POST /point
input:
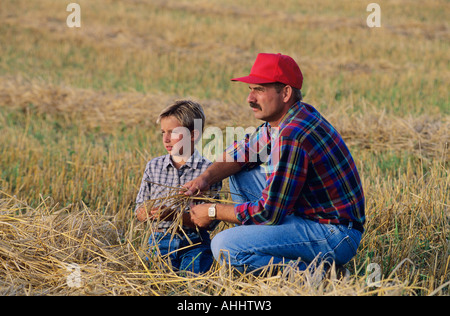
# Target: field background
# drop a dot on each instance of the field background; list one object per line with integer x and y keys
{"x": 77, "y": 125}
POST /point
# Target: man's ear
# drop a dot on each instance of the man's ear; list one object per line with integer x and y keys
{"x": 287, "y": 93}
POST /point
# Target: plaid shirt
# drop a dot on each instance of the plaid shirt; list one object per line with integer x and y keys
{"x": 161, "y": 170}
{"x": 311, "y": 172}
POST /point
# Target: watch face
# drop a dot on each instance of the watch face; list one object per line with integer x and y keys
{"x": 212, "y": 211}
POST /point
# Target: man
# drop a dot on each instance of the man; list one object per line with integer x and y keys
{"x": 309, "y": 205}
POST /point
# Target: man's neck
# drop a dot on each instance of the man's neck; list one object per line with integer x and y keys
{"x": 282, "y": 117}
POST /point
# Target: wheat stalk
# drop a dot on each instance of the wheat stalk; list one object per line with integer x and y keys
{"x": 179, "y": 204}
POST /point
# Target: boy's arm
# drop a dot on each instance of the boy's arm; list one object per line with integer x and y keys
{"x": 143, "y": 214}
{"x": 142, "y": 196}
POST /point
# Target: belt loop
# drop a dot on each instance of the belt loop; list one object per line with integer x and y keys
{"x": 350, "y": 225}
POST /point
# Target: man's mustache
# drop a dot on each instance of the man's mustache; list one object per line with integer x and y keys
{"x": 255, "y": 105}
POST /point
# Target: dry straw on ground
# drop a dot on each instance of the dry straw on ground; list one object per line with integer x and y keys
{"x": 41, "y": 246}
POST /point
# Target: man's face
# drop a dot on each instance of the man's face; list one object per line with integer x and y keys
{"x": 266, "y": 103}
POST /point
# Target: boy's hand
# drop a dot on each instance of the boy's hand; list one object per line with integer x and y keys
{"x": 143, "y": 214}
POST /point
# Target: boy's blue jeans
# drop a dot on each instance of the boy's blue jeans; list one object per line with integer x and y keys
{"x": 252, "y": 247}
{"x": 183, "y": 257}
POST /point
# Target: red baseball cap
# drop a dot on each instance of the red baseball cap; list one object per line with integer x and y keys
{"x": 269, "y": 68}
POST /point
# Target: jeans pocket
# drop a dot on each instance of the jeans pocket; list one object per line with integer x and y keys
{"x": 345, "y": 250}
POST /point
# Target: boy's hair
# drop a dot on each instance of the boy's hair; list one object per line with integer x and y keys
{"x": 185, "y": 111}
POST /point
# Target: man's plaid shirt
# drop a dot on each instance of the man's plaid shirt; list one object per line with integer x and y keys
{"x": 314, "y": 175}
{"x": 161, "y": 170}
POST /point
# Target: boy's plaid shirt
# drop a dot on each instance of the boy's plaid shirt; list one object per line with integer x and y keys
{"x": 312, "y": 173}
{"x": 162, "y": 171}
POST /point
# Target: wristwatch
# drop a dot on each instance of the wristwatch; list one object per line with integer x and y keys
{"x": 212, "y": 211}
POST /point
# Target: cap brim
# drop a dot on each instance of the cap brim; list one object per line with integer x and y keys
{"x": 253, "y": 80}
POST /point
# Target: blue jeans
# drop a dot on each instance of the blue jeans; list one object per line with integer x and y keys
{"x": 183, "y": 257}
{"x": 252, "y": 247}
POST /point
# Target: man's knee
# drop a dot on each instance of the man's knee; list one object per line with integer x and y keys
{"x": 219, "y": 246}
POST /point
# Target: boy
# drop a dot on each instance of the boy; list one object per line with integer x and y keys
{"x": 182, "y": 164}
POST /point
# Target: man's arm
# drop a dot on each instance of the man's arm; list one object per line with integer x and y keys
{"x": 215, "y": 173}
{"x": 284, "y": 186}
{"x": 278, "y": 198}
{"x": 199, "y": 214}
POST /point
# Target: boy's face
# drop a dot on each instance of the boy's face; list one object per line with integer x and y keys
{"x": 177, "y": 139}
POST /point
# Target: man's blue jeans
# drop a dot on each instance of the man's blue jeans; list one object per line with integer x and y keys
{"x": 252, "y": 247}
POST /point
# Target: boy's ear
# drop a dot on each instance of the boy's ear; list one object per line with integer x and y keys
{"x": 195, "y": 135}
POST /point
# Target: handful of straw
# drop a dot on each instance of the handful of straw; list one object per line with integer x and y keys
{"x": 174, "y": 205}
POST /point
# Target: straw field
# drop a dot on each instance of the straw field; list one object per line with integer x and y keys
{"x": 77, "y": 124}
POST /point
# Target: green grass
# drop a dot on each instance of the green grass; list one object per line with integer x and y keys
{"x": 44, "y": 155}
{"x": 382, "y": 67}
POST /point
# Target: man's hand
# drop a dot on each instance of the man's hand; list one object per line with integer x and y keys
{"x": 215, "y": 173}
{"x": 199, "y": 215}
{"x": 196, "y": 186}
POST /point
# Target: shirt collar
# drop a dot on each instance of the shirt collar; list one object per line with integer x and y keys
{"x": 192, "y": 162}
{"x": 290, "y": 114}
